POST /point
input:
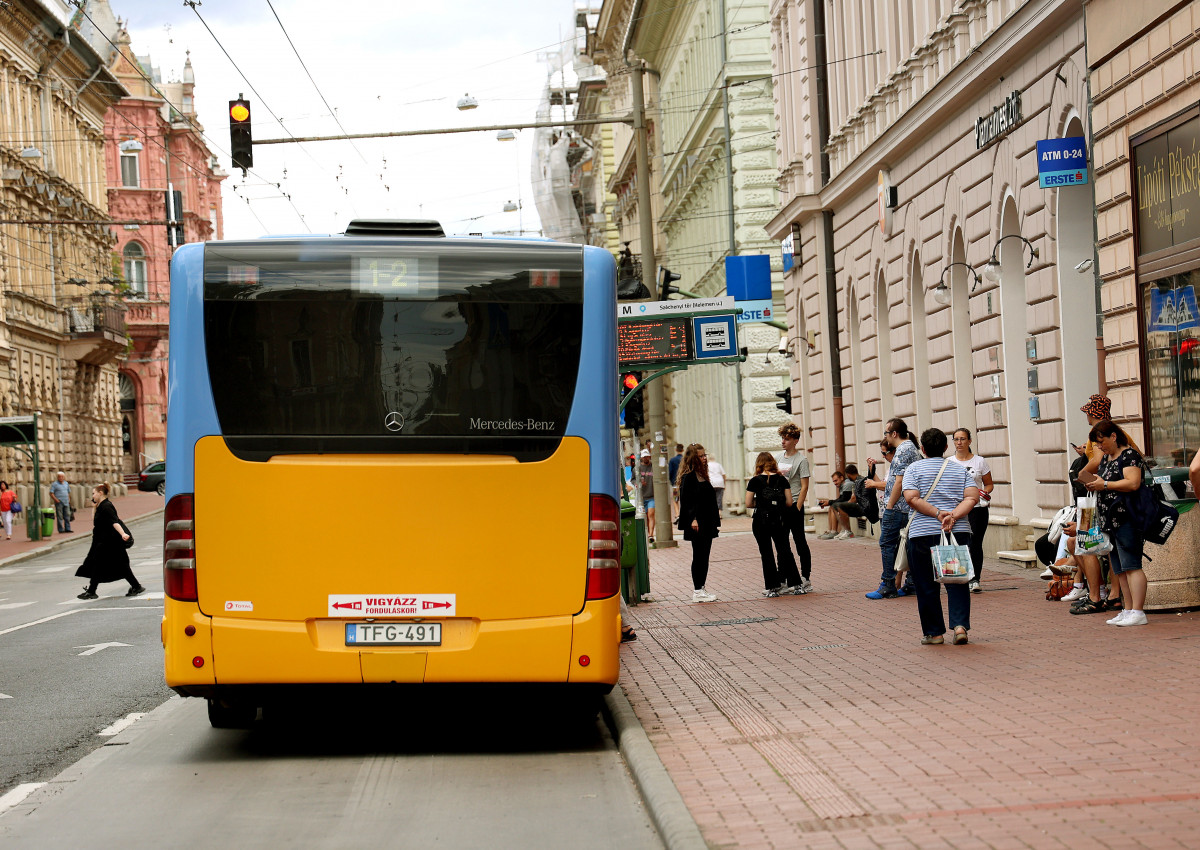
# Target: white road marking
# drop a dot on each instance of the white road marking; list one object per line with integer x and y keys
{"x": 15, "y": 605}
{"x": 8, "y": 571}
{"x": 38, "y": 622}
{"x": 54, "y": 569}
{"x": 93, "y": 648}
{"x": 121, "y": 725}
{"x": 16, "y": 795}
{"x": 5, "y": 696}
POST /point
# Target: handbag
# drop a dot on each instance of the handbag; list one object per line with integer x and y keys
{"x": 902, "y": 555}
{"x": 951, "y": 562}
{"x": 1093, "y": 541}
{"x": 15, "y": 507}
{"x": 128, "y": 543}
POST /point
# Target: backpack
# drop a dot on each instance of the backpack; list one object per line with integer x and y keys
{"x": 771, "y": 502}
{"x": 866, "y": 498}
{"x": 1153, "y": 518}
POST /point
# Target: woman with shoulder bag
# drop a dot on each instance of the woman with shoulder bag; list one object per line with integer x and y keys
{"x": 698, "y": 516}
{"x": 107, "y": 560}
{"x": 1119, "y": 471}
{"x": 7, "y": 497}
{"x": 941, "y": 494}
{"x": 771, "y": 497}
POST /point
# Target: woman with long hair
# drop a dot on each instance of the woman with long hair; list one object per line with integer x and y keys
{"x": 1119, "y": 470}
{"x": 698, "y": 516}
{"x": 981, "y": 471}
{"x": 793, "y": 465}
{"x": 107, "y": 560}
{"x": 768, "y": 493}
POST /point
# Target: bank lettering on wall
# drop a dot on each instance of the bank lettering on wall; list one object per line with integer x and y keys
{"x": 1168, "y": 188}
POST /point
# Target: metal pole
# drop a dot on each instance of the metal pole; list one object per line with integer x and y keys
{"x": 656, "y": 419}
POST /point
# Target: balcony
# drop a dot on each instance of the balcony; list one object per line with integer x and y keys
{"x": 95, "y": 331}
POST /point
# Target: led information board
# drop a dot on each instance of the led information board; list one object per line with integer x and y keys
{"x": 666, "y": 340}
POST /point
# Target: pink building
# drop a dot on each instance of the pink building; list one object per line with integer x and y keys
{"x": 158, "y": 169}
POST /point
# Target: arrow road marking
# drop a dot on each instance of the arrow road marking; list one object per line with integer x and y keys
{"x": 5, "y": 696}
{"x": 93, "y": 648}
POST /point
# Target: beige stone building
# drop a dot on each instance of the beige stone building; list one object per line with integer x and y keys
{"x": 709, "y": 106}
{"x": 1145, "y": 62}
{"x": 908, "y": 161}
{"x": 62, "y": 332}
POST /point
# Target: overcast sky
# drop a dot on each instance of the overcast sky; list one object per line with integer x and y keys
{"x": 382, "y": 66}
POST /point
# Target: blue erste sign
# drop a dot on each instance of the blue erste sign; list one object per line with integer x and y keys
{"x": 1062, "y": 162}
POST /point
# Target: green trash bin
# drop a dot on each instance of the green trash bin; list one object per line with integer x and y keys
{"x": 629, "y": 551}
{"x": 33, "y": 524}
{"x": 47, "y": 521}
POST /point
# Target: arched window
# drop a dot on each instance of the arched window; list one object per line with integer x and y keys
{"x": 135, "y": 269}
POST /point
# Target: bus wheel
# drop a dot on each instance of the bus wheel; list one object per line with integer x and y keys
{"x": 231, "y": 715}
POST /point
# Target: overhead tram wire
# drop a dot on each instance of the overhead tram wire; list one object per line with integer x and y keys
{"x": 212, "y": 143}
{"x": 332, "y": 111}
{"x": 192, "y": 4}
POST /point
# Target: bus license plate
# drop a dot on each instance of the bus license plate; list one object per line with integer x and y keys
{"x": 393, "y": 634}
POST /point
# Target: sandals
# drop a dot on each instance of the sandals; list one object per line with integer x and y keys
{"x": 1087, "y": 606}
{"x": 927, "y": 640}
{"x": 960, "y": 635}
{"x": 628, "y": 634}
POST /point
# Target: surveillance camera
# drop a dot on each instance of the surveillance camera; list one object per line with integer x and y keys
{"x": 1083, "y": 265}
{"x": 783, "y": 344}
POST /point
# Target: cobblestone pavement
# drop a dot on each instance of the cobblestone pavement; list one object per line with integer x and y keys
{"x": 819, "y": 721}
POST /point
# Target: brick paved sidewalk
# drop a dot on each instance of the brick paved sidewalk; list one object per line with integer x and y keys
{"x": 819, "y": 721}
{"x": 134, "y": 505}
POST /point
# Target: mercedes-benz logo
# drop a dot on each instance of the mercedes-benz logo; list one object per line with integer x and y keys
{"x": 393, "y": 421}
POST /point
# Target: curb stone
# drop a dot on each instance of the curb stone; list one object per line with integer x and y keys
{"x": 675, "y": 824}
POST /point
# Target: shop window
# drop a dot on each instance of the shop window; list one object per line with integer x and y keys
{"x": 1172, "y": 349}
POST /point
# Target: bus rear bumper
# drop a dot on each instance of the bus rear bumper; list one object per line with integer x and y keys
{"x": 236, "y": 651}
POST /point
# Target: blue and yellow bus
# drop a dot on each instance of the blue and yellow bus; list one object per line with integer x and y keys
{"x": 391, "y": 458}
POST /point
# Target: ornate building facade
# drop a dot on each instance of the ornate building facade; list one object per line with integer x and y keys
{"x": 159, "y": 169}
{"x": 62, "y": 333}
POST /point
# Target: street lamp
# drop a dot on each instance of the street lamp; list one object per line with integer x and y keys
{"x": 941, "y": 292}
{"x": 509, "y": 206}
{"x": 992, "y": 270}
{"x": 467, "y": 102}
{"x": 30, "y": 153}
{"x": 505, "y": 136}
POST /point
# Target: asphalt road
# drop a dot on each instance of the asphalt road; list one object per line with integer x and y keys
{"x": 95, "y": 751}
{"x": 69, "y": 669}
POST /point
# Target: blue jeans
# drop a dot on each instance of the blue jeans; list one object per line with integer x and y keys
{"x": 889, "y": 542}
{"x": 929, "y": 592}
{"x": 62, "y": 513}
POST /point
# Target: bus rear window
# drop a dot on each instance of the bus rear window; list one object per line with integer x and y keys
{"x": 392, "y": 345}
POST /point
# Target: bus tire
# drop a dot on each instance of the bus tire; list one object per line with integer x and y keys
{"x": 223, "y": 714}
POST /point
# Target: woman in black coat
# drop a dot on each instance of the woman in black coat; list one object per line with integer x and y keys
{"x": 698, "y": 516}
{"x": 107, "y": 560}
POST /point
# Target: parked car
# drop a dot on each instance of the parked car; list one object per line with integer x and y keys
{"x": 154, "y": 477}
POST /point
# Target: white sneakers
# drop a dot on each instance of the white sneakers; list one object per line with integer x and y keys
{"x": 1129, "y": 618}
{"x": 805, "y": 586}
{"x": 828, "y": 535}
{"x": 702, "y": 595}
{"x": 1079, "y": 592}
{"x": 845, "y": 535}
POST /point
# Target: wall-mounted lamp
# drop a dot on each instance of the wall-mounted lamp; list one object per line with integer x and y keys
{"x": 130, "y": 145}
{"x": 796, "y": 345}
{"x": 992, "y": 270}
{"x": 941, "y": 292}
{"x": 1084, "y": 265}
{"x": 30, "y": 153}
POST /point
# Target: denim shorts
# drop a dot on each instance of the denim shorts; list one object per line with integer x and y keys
{"x": 649, "y": 504}
{"x": 1126, "y": 554}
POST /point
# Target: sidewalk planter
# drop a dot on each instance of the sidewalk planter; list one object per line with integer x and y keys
{"x": 1173, "y": 573}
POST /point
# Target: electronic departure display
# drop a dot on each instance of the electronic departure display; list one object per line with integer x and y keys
{"x": 665, "y": 340}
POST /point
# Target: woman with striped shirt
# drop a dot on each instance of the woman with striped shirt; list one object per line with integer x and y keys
{"x": 938, "y": 504}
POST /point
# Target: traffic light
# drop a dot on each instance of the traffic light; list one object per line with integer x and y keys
{"x": 786, "y": 404}
{"x": 665, "y": 278}
{"x": 240, "y": 142}
{"x": 634, "y": 411}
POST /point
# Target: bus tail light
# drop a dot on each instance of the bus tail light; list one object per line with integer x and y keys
{"x": 604, "y": 548}
{"x": 179, "y": 549}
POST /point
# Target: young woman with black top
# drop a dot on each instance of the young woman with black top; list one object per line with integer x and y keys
{"x": 770, "y": 526}
{"x": 698, "y": 516}
{"x": 1119, "y": 471}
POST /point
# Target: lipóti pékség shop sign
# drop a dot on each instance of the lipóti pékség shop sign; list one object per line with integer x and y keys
{"x": 1168, "y": 188}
